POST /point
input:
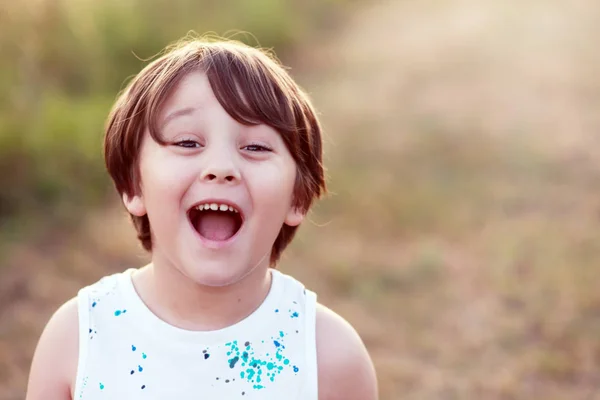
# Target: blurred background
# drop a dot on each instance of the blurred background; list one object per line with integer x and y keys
{"x": 462, "y": 137}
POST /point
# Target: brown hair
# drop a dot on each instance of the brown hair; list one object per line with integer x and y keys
{"x": 250, "y": 84}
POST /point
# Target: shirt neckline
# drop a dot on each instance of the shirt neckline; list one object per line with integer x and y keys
{"x": 153, "y": 325}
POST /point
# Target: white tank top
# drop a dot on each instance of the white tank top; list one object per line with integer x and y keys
{"x": 127, "y": 352}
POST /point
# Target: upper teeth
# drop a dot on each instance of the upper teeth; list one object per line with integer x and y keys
{"x": 216, "y": 207}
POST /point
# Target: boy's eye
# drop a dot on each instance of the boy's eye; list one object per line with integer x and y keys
{"x": 188, "y": 144}
{"x": 256, "y": 148}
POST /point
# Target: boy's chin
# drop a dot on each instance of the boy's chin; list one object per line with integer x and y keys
{"x": 216, "y": 274}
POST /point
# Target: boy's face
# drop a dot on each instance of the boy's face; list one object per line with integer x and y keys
{"x": 211, "y": 159}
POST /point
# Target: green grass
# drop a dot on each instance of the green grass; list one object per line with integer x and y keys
{"x": 65, "y": 61}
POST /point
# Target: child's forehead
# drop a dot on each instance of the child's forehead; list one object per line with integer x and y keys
{"x": 194, "y": 97}
{"x": 242, "y": 86}
{"x": 192, "y": 93}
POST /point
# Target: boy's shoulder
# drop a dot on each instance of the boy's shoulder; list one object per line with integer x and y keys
{"x": 345, "y": 369}
{"x": 54, "y": 363}
{"x": 55, "y": 360}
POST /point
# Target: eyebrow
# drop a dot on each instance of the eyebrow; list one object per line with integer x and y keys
{"x": 176, "y": 114}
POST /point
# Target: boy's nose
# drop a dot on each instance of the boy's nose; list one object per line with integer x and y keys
{"x": 220, "y": 168}
{"x": 224, "y": 177}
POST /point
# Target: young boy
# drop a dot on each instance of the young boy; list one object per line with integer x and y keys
{"x": 217, "y": 155}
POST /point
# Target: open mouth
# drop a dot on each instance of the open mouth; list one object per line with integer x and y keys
{"x": 215, "y": 221}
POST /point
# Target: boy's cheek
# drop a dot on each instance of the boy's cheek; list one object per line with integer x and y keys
{"x": 164, "y": 179}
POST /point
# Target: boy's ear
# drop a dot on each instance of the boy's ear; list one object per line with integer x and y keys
{"x": 294, "y": 216}
{"x": 134, "y": 204}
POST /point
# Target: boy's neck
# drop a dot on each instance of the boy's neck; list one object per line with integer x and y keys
{"x": 177, "y": 300}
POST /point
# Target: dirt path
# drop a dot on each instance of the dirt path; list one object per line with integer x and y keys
{"x": 462, "y": 149}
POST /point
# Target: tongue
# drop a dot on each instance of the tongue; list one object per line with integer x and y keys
{"x": 216, "y": 225}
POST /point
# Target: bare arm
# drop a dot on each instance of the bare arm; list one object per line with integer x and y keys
{"x": 344, "y": 366}
{"x": 54, "y": 363}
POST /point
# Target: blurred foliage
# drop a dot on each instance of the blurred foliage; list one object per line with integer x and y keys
{"x": 64, "y": 62}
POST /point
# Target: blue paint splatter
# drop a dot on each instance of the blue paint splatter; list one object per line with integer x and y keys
{"x": 296, "y": 369}
{"x": 258, "y": 386}
{"x": 90, "y": 330}
{"x": 144, "y": 356}
{"x": 131, "y": 373}
{"x": 295, "y": 315}
{"x": 143, "y": 386}
{"x": 117, "y": 313}
{"x": 140, "y": 368}
{"x": 133, "y": 348}
{"x": 101, "y": 386}
{"x": 206, "y": 356}
{"x": 257, "y": 371}
{"x": 276, "y": 310}
{"x": 85, "y": 380}
{"x": 94, "y": 304}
